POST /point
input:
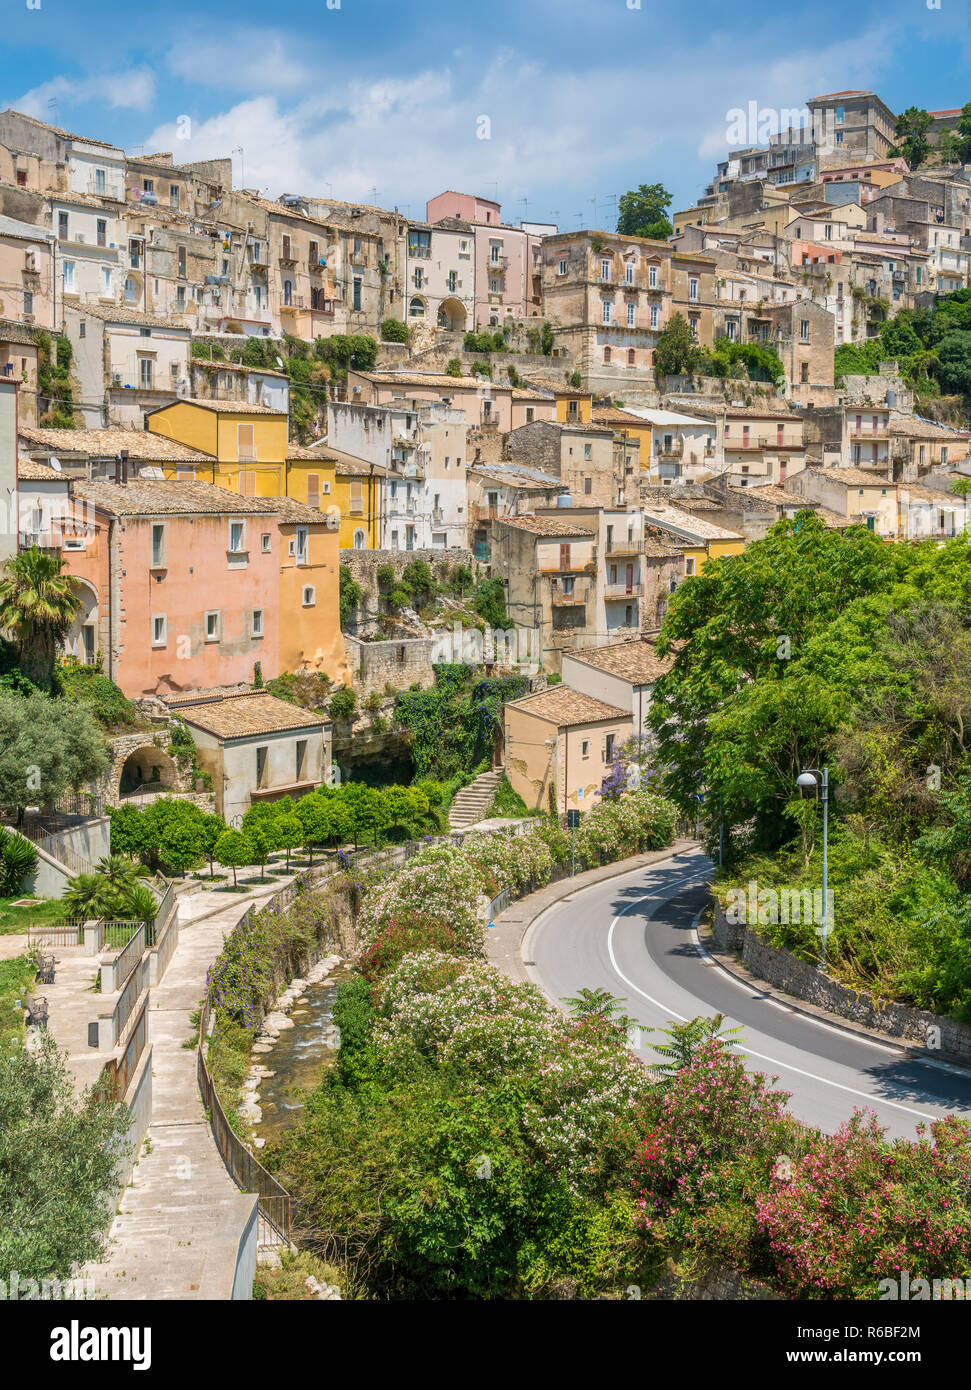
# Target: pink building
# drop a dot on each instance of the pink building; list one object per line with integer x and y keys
{"x": 468, "y": 206}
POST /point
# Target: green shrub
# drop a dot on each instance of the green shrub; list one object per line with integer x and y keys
{"x": 394, "y": 331}
{"x": 343, "y": 703}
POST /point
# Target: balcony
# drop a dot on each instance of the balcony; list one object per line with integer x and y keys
{"x": 561, "y": 600}
{"x": 109, "y": 188}
{"x": 670, "y": 453}
{"x": 490, "y": 514}
{"x": 499, "y": 264}
{"x": 861, "y": 436}
{"x": 419, "y": 253}
{"x": 292, "y": 305}
{"x": 623, "y": 549}
{"x": 489, "y": 426}
{"x": 620, "y": 591}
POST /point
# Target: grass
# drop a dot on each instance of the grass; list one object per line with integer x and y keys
{"x": 16, "y": 980}
{"x": 289, "y": 1281}
{"x": 18, "y": 919}
{"x": 507, "y": 802}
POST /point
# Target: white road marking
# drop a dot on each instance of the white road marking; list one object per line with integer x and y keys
{"x": 798, "y": 1071}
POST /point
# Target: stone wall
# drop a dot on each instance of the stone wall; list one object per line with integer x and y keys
{"x": 364, "y": 565}
{"x": 802, "y": 980}
{"x": 374, "y": 665}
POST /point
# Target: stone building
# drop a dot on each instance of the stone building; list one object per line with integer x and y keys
{"x": 548, "y": 565}
{"x": 559, "y": 746}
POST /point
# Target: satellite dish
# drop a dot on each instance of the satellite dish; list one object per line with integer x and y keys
{"x": 55, "y": 464}
{"x": 279, "y": 361}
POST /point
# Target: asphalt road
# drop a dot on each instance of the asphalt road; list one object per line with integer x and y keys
{"x": 634, "y": 936}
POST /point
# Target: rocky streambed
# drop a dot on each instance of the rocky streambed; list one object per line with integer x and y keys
{"x": 297, "y": 1040}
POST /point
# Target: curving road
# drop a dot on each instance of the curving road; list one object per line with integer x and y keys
{"x": 634, "y": 935}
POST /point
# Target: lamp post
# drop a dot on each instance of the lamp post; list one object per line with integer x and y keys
{"x": 818, "y": 781}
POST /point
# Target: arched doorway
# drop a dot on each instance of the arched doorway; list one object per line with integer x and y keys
{"x": 452, "y": 315}
{"x": 82, "y": 640}
{"x": 146, "y": 769}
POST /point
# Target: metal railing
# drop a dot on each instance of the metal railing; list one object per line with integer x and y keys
{"x": 143, "y": 789}
{"x": 130, "y": 954}
{"x": 67, "y": 933}
{"x": 122, "y": 1012}
{"x": 274, "y": 1203}
{"x": 51, "y": 844}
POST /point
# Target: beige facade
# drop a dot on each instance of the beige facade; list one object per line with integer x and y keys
{"x": 559, "y": 747}
{"x": 859, "y": 496}
{"x": 548, "y": 565}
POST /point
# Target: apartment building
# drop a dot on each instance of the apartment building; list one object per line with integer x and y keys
{"x": 126, "y": 363}
{"x": 26, "y": 274}
{"x": 441, "y": 270}
{"x": 498, "y": 490}
{"x": 848, "y": 434}
{"x": 214, "y": 380}
{"x": 559, "y": 745}
{"x": 487, "y": 405}
{"x": 674, "y": 447}
{"x": 863, "y": 497}
{"x": 621, "y": 674}
{"x": 700, "y": 539}
{"x": 589, "y": 459}
{"x": 548, "y": 565}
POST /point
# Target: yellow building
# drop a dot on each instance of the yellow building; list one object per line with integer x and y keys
{"x": 358, "y": 493}
{"x": 248, "y": 444}
{"x": 700, "y": 540}
{"x": 310, "y": 632}
{"x": 573, "y": 407}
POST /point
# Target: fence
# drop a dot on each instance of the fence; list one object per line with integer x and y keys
{"x": 126, "y": 960}
{"x": 116, "y": 1075}
{"x": 52, "y": 845}
{"x": 57, "y": 934}
{"x": 122, "y": 1012}
{"x": 274, "y": 1203}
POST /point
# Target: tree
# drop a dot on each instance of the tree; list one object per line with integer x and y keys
{"x": 343, "y": 704}
{"x": 47, "y": 746}
{"x": 175, "y": 830}
{"x": 954, "y": 355}
{"x": 18, "y": 860}
{"x": 677, "y": 353}
{"x": 394, "y": 331}
{"x": 641, "y": 212}
{"x": 600, "y": 1005}
{"x": 312, "y": 811}
{"x": 38, "y": 603}
{"x": 289, "y": 833}
{"x": 59, "y": 1151}
{"x": 263, "y": 841}
{"x": 911, "y": 134}
{"x": 964, "y": 135}
{"x": 130, "y": 832}
{"x": 684, "y": 1040}
{"x": 350, "y": 594}
{"x": 233, "y": 850}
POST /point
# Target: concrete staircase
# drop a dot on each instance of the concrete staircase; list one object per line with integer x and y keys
{"x": 472, "y": 802}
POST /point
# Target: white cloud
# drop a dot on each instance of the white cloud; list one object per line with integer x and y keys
{"x": 246, "y": 58}
{"x": 133, "y": 89}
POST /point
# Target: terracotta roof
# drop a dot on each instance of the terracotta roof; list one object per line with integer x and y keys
{"x": 28, "y": 468}
{"x": 565, "y": 707}
{"x": 348, "y": 465}
{"x": 613, "y": 415}
{"x": 243, "y": 716}
{"x": 11, "y": 332}
{"x": 290, "y": 510}
{"x": 206, "y": 363}
{"x": 660, "y": 550}
{"x": 853, "y": 477}
{"x": 441, "y": 379}
{"x": 301, "y": 451}
{"x": 56, "y": 130}
{"x": 658, "y": 514}
{"x": 141, "y": 444}
{"x": 635, "y": 661}
{"x": 517, "y": 475}
{"x": 551, "y": 526}
{"x": 224, "y": 407}
{"x": 155, "y": 497}
{"x": 120, "y": 313}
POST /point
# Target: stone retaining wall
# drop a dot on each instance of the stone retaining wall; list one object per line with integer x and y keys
{"x": 802, "y": 980}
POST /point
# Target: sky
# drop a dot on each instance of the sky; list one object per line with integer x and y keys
{"x": 556, "y": 107}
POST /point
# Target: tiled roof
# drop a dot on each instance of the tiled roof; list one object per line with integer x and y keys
{"x": 349, "y": 466}
{"x": 155, "y": 497}
{"x": 517, "y": 475}
{"x": 660, "y": 515}
{"x": 441, "y": 379}
{"x": 305, "y": 454}
{"x": 11, "y": 332}
{"x": 290, "y": 510}
{"x": 120, "y": 313}
{"x": 245, "y": 716}
{"x": 635, "y": 661}
{"x": 565, "y": 707}
{"x": 224, "y": 407}
{"x": 551, "y": 526}
{"x": 207, "y": 363}
{"x": 853, "y": 477}
{"x": 27, "y": 468}
{"x": 141, "y": 444}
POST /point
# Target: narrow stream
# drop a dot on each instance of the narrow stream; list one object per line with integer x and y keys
{"x": 298, "y": 1058}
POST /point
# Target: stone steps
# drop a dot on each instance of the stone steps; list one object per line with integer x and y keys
{"x": 472, "y": 802}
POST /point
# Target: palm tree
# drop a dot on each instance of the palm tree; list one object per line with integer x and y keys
{"x": 38, "y": 604}
{"x": 116, "y": 891}
{"x": 685, "y": 1040}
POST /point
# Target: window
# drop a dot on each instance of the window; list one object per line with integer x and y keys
{"x": 247, "y": 482}
{"x": 309, "y": 596}
{"x": 182, "y": 261}
{"x": 561, "y": 268}
{"x": 285, "y": 252}
{"x": 605, "y": 269}
{"x": 288, "y": 292}
{"x": 261, "y": 765}
{"x": 606, "y": 311}
{"x": 313, "y": 489}
{"x": 237, "y": 537}
{"x": 62, "y": 226}
{"x": 357, "y": 292}
{"x": 631, "y": 357}
{"x": 839, "y": 137}
{"x": 159, "y": 630}
{"x": 158, "y": 545}
{"x": 584, "y": 748}
{"x": 212, "y": 627}
{"x": 356, "y": 495}
{"x": 173, "y": 195}
{"x": 102, "y": 231}
{"x": 805, "y": 372}
{"x": 804, "y": 330}
{"x": 629, "y": 272}
{"x": 606, "y": 354}
{"x": 652, "y": 277}
{"x": 148, "y": 185}
{"x": 495, "y": 251}
{"x": 266, "y": 542}
{"x": 631, "y": 313}
{"x": 146, "y": 373}
{"x": 693, "y": 289}
{"x": 301, "y": 758}
{"x": 184, "y": 474}
{"x": 654, "y": 316}
{"x": 587, "y": 450}
{"x": 360, "y": 540}
{"x": 21, "y": 178}
{"x": 106, "y": 281}
{"x": 179, "y": 295}
{"x": 609, "y": 742}
{"x": 28, "y": 302}
{"x": 689, "y": 564}
{"x": 302, "y": 535}
{"x": 256, "y": 627}
{"x": 68, "y": 269}
{"x": 587, "y": 486}
{"x": 416, "y": 309}
{"x": 313, "y": 254}
{"x": 246, "y": 442}
{"x": 693, "y": 321}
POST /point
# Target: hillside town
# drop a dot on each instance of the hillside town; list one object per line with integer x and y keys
{"x": 337, "y": 539}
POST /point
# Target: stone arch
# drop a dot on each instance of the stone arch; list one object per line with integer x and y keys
{"x": 82, "y": 640}
{"x": 135, "y": 759}
{"x": 452, "y": 315}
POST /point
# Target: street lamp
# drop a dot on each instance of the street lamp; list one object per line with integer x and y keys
{"x": 813, "y": 781}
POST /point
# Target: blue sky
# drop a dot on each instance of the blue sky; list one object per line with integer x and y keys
{"x": 382, "y": 101}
